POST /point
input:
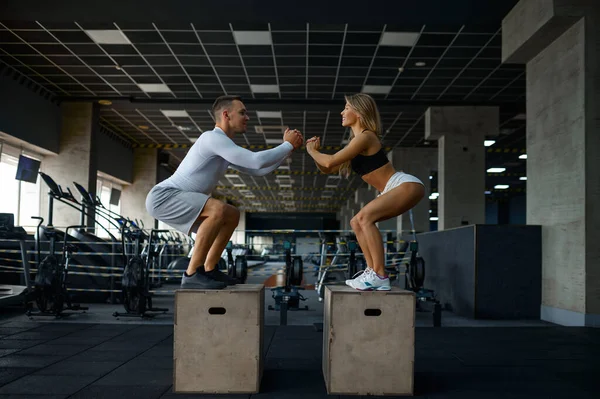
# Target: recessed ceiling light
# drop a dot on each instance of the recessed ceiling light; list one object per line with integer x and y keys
{"x": 501, "y": 186}
{"x": 111, "y": 36}
{"x": 376, "y": 89}
{"x": 252, "y": 37}
{"x": 104, "y": 102}
{"x": 154, "y": 88}
{"x": 488, "y": 143}
{"x": 523, "y": 178}
{"x": 264, "y": 88}
{"x": 523, "y": 156}
{"x": 399, "y": 39}
{"x": 269, "y": 114}
{"x": 143, "y": 127}
{"x": 433, "y": 218}
{"x": 420, "y": 64}
{"x": 496, "y": 170}
{"x": 171, "y": 113}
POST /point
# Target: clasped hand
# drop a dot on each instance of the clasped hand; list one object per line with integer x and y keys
{"x": 294, "y": 137}
{"x": 314, "y": 143}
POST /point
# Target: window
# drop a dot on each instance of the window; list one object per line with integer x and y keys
{"x": 104, "y": 189}
{"x": 20, "y": 198}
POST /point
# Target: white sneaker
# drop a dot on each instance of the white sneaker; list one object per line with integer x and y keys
{"x": 369, "y": 281}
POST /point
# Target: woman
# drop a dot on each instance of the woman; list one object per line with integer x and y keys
{"x": 399, "y": 192}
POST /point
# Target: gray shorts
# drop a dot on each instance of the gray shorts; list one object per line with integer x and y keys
{"x": 176, "y": 208}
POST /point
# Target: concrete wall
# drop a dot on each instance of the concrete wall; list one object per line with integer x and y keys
{"x": 558, "y": 39}
{"x": 556, "y": 178}
{"x": 592, "y": 162}
{"x": 27, "y": 115}
{"x": 133, "y": 197}
{"x": 75, "y": 162}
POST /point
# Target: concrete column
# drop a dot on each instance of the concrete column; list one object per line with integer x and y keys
{"x": 559, "y": 41}
{"x": 351, "y": 209}
{"x": 460, "y": 132}
{"x": 75, "y": 162}
{"x": 239, "y": 235}
{"x": 347, "y": 215}
{"x": 342, "y": 217}
{"x": 133, "y": 197}
{"x": 362, "y": 197}
{"x": 419, "y": 162}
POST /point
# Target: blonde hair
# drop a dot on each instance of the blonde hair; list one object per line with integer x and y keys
{"x": 365, "y": 106}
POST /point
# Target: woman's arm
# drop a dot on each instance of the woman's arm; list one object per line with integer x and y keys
{"x": 328, "y": 171}
{"x": 357, "y": 145}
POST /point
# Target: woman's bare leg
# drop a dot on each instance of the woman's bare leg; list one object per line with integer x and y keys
{"x": 393, "y": 203}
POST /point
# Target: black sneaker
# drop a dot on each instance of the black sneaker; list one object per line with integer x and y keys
{"x": 218, "y": 275}
{"x": 200, "y": 281}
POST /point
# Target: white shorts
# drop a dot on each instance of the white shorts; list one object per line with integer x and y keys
{"x": 397, "y": 179}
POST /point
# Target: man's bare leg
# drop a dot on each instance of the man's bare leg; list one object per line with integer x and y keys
{"x": 213, "y": 219}
{"x": 220, "y": 242}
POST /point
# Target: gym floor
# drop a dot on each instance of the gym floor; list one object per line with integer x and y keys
{"x": 94, "y": 355}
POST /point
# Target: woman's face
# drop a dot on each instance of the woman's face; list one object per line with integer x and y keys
{"x": 349, "y": 116}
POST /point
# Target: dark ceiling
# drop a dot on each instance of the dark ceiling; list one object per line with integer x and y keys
{"x": 292, "y": 64}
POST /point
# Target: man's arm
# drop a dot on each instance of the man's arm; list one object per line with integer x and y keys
{"x": 258, "y": 172}
{"x": 238, "y": 156}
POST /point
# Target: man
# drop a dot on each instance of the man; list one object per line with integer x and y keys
{"x": 183, "y": 200}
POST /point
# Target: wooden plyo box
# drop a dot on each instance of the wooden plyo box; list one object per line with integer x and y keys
{"x": 368, "y": 341}
{"x": 218, "y": 340}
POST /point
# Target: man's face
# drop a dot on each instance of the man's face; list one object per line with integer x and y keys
{"x": 238, "y": 117}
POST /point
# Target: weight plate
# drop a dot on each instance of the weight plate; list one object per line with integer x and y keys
{"x": 296, "y": 271}
{"x": 241, "y": 268}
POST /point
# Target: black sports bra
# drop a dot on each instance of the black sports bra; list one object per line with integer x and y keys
{"x": 363, "y": 164}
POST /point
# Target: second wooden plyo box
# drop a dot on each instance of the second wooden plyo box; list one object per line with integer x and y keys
{"x": 368, "y": 341}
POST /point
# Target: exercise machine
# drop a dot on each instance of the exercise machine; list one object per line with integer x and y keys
{"x": 93, "y": 286}
{"x": 23, "y": 293}
{"x": 236, "y": 267}
{"x": 338, "y": 272}
{"x": 135, "y": 283}
{"x": 51, "y": 294}
{"x": 355, "y": 264}
{"x": 288, "y": 297}
{"x": 414, "y": 278}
